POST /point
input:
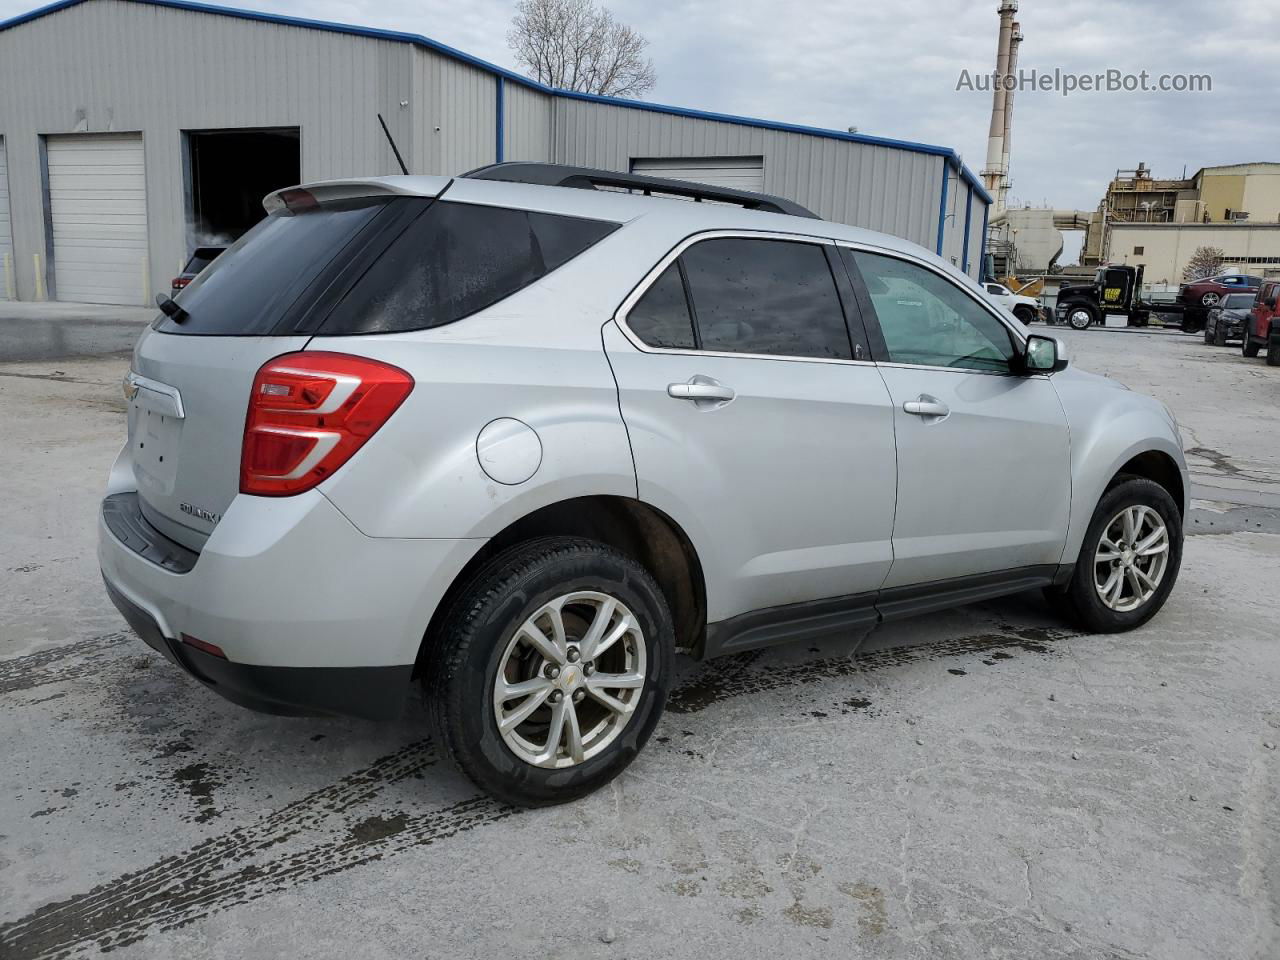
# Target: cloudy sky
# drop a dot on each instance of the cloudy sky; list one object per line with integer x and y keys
{"x": 891, "y": 69}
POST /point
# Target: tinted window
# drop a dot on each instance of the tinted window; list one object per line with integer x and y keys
{"x": 1238, "y": 301}
{"x": 202, "y": 258}
{"x": 456, "y": 259}
{"x": 930, "y": 321}
{"x": 766, "y": 296}
{"x": 247, "y": 291}
{"x": 661, "y": 317}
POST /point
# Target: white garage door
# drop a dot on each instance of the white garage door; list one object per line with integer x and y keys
{"x": 98, "y": 208}
{"x": 739, "y": 173}
{"x": 8, "y": 269}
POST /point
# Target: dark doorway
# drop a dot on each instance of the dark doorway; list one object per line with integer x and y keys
{"x": 228, "y": 172}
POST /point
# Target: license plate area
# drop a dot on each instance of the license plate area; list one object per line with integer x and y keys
{"x": 155, "y": 437}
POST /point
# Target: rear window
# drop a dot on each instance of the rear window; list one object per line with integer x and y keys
{"x": 248, "y": 291}
{"x": 456, "y": 259}
{"x": 202, "y": 258}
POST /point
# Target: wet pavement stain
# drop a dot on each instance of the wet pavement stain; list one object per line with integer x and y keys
{"x": 67, "y": 662}
{"x": 713, "y": 686}
{"x": 199, "y": 781}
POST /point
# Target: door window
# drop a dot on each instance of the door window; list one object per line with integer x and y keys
{"x": 661, "y": 317}
{"x": 928, "y": 320}
{"x": 773, "y": 297}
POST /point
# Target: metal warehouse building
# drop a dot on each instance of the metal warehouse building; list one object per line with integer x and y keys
{"x": 132, "y": 131}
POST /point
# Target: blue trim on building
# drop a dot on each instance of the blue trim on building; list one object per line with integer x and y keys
{"x": 982, "y": 264}
{"x": 501, "y": 111}
{"x": 950, "y": 156}
{"x": 942, "y": 205}
{"x": 968, "y": 217}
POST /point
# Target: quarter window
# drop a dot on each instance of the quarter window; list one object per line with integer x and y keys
{"x": 772, "y": 297}
{"x": 456, "y": 259}
{"x": 929, "y": 321}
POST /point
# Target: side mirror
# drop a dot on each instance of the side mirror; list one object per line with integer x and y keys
{"x": 1044, "y": 355}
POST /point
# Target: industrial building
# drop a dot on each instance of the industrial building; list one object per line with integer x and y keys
{"x": 1237, "y": 195}
{"x": 132, "y": 131}
{"x": 1165, "y": 249}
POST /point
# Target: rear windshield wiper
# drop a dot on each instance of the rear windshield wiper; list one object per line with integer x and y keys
{"x": 169, "y": 307}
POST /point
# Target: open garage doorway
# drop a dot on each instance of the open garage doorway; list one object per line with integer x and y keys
{"x": 228, "y": 172}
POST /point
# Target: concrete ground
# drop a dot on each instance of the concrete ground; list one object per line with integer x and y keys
{"x": 985, "y": 782}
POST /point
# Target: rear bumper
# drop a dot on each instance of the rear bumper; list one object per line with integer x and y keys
{"x": 372, "y": 693}
{"x": 314, "y": 617}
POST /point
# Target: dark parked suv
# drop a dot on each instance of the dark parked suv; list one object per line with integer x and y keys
{"x": 1226, "y": 321}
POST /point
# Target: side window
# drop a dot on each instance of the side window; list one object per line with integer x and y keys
{"x": 661, "y": 317}
{"x": 995, "y": 289}
{"x": 773, "y": 297}
{"x": 456, "y": 259}
{"x": 930, "y": 321}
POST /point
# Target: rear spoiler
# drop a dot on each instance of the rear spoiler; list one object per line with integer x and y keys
{"x": 325, "y": 191}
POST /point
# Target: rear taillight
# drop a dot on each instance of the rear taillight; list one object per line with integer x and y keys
{"x": 308, "y": 413}
{"x": 180, "y": 282}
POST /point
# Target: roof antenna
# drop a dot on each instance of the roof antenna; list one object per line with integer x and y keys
{"x": 394, "y": 149}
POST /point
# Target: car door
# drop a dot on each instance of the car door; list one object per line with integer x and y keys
{"x": 753, "y": 422}
{"x": 984, "y": 473}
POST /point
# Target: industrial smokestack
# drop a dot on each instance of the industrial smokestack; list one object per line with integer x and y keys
{"x": 993, "y": 173}
{"x": 1014, "y": 41}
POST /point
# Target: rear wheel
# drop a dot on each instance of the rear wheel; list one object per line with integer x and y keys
{"x": 551, "y": 670}
{"x": 1129, "y": 560}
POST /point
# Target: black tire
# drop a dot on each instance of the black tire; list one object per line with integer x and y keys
{"x": 1208, "y": 335}
{"x": 1273, "y": 352}
{"x": 1219, "y": 334}
{"x": 1080, "y": 601}
{"x": 1076, "y": 312}
{"x": 1210, "y": 300}
{"x": 464, "y": 655}
{"x": 1025, "y": 315}
{"x": 1193, "y": 320}
{"x": 1249, "y": 347}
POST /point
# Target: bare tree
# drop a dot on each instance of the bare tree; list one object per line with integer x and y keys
{"x": 1205, "y": 262}
{"x": 575, "y": 45}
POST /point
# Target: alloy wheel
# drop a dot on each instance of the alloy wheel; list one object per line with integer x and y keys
{"x": 1131, "y": 558}
{"x": 570, "y": 679}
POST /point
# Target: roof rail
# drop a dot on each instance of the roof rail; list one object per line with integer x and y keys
{"x": 585, "y": 178}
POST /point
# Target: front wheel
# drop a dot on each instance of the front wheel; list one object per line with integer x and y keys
{"x": 1220, "y": 334}
{"x": 550, "y": 670}
{"x": 1273, "y": 352}
{"x": 1208, "y": 335}
{"x": 1025, "y": 315}
{"x": 1129, "y": 560}
{"x": 1080, "y": 316}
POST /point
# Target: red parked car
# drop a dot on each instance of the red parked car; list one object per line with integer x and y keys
{"x": 1262, "y": 328}
{"x": 1199, "y": 296}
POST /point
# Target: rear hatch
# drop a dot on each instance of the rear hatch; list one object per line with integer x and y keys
{"x": 194, "y": 374}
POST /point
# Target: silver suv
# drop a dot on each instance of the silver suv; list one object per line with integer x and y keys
{"x": 521, "y": 436}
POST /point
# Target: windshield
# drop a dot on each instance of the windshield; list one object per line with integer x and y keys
{"x": 1238, "y": 301}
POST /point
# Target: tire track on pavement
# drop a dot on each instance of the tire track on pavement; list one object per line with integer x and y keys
{"x": 316, "y": 836}
{"x": 353, "y": 821}
{"x": 47, "y": 666}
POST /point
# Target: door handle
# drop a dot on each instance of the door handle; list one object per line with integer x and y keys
{"x": 701, "y": 390}
{"x": 926, "y": 406}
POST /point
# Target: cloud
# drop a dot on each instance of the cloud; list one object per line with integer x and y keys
{"x": 891, "y": 70}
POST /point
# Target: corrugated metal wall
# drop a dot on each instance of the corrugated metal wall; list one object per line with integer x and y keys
{"x": 881, "y": 188}
{"x": 117, "y": 66}
{"x": 527, "y": 120}
{"x": 111, "y": 65}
